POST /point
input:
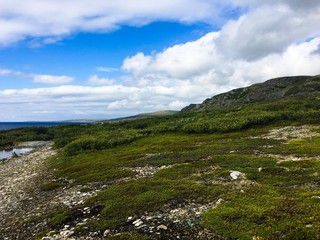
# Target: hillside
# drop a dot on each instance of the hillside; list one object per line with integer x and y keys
{"x": 143, "y": 115}
{"x": 241, "y": 170}
{"x": 271, "y": 90}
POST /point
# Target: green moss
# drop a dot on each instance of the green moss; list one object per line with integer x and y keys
{"x": 128, "y": 236}
{"x": 136, "y": 197}
{"x": 58, "y": 217}
{"x": 305, "y": 146}
{"x": 49, "y": 186}
{"x": 85, "y": 189}
{"x": 264, "y": 212}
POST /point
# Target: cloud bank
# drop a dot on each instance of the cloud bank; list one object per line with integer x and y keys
{"x": 49, "y": 79}
{"x": 50, "y": 20}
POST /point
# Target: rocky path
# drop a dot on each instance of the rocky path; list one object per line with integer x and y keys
{"x": 19, "y": 178}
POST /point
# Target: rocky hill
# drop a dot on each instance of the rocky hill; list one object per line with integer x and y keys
{"x": 271, "y": 90}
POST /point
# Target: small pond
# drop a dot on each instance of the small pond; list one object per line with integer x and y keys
{"x": 8, "y": 153}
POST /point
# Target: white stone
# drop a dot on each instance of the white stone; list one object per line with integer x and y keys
{"x": 66, "y": 233}
{"x": 106, "y": 232}
{"x": 235, "y": 174}
{"x": 220, "y": 200}
{"x": 137, "y": 223}
{"x": 163, "y": 227}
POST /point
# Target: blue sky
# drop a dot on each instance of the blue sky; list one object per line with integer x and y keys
{"x": 105, "y": 59}
{"x": 83, "y": 54}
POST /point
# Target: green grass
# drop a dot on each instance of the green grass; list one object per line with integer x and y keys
{"x": 49, "y": 186}
{"x": 128, "y": 236}
{"x": 304, "y": 147}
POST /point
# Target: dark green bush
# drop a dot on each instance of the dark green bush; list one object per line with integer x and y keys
{"x": 107, "y": 141}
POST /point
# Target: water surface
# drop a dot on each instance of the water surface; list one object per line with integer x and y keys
{"x": 12, "y": 125}
{"x": 8, "y": 153}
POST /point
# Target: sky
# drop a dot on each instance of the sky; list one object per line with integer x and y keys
{"x": 102, "y": 59}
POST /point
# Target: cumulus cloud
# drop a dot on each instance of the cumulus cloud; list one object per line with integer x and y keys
{"x": 268, "y": 29}
{"x": 297, "y": 4}
{"x": 272, "y": 39}
{"x": 179, "y": 61}
{"x": 50, "y": 79}
{"x": 52, "y": 19}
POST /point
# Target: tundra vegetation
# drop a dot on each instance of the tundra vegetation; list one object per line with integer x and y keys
{"x": 192, "y": 154}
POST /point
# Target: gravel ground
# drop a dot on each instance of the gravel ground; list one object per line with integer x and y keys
{"x": 19, "y": 177}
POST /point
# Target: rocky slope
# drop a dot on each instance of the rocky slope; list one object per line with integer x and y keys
{"x": 271, "y": 90}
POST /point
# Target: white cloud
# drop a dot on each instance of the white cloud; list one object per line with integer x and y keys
{"x": 297, "y": 4}
{"x": 51, "y": 19}
{"x": 5, "y": 72}
{"x": 50, "y": 79}
{"x": 106, "y": 69}
{"x": 69, "y": 101}
{"x": 268, "y": 29}
{"x": 95, "y": 80}
{"x": 179, "y": 61}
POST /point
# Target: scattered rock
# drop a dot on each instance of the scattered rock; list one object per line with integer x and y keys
{"x": 290, "y": 132}
{"x": 66, "y": 233}
{"x": 176, "y": 221}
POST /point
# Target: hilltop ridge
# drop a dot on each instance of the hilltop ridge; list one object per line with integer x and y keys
{"x": 270, "y": 90}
